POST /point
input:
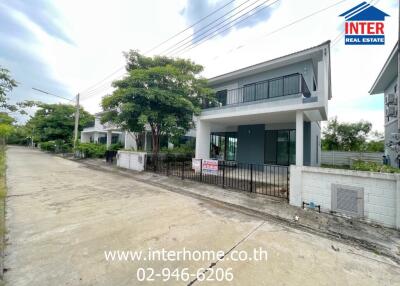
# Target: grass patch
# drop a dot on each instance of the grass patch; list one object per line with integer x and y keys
{"x": 345, "y": 167}
{"x": 3, "y": 192}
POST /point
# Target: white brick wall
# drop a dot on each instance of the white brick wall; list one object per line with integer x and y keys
{"x": 381, "y": 191}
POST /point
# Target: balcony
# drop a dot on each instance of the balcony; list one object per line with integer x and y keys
{"x": 269, "y": 89}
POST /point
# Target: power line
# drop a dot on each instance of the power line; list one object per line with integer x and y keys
{"x": 181, "y": 32}
{"x": 177, "y": 34}
{"x": 95, "y": 91}
{"x": 192, "y": 46}
{"x": 289, "y": 25}
{"x": 87, "y": 90}
{"x": 45, "y": 92}
{"x": 167, "y": 51}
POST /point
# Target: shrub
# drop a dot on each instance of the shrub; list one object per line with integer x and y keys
{"x": 49, "y": 146}
{"x": 91, "y": 150}
{"x": 57, "y": 146}
{"x": 187, "y": 149}
{"x": 360, "y": 165}
{"x": 116, "y": 146}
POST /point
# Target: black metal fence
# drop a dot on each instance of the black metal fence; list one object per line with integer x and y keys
{"x": 271, "y": 180}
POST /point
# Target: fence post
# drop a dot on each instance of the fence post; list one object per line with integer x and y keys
{"x": 183, "y": 169}
{"x": 251, "y": 177}
{"x": 223, "y": 174}
{"x": 201, "y": 170}
{"x": 167, "y": 167}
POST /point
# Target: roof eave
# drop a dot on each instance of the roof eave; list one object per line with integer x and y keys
{"x": 391, "y": 57}
{"x": 236, "y": 73}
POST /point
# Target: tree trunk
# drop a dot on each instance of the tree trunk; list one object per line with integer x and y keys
{"x": 155, "y": 141}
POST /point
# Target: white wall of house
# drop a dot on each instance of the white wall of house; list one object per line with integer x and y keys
{"x": 380, "y": 192}
{"x": 391, "y": 126}
{"x": 315, "y": 142}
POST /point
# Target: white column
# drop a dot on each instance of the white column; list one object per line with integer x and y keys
{"x": 109, "y": 137}
{"x": 203, "y": 130}
{"x": 96, "y": 137}
{"x": 299, "y": 138}
{"x": 130, "y": 140}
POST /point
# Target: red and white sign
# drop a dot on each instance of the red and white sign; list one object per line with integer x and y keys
{"x": 210, "y": 166}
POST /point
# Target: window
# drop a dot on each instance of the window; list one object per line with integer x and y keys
{"x": 221, "y": 96}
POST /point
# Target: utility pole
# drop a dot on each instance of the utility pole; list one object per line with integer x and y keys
{"x": 76, "y": 120}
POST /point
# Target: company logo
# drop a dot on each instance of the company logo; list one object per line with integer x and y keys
{"x": 364, "y": 25}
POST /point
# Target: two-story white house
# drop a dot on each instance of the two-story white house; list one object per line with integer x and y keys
{"x": 387, "y": 83}
{"x": 269, "y": 113}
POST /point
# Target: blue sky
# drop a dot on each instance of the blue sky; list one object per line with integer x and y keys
{"x": 66, "y": 46}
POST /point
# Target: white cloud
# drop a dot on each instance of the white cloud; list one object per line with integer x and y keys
{"x": 102, "y": 30}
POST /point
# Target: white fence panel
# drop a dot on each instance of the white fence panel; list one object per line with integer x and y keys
{"x": 378, "y": 193}
{"x": 340, "y": 158}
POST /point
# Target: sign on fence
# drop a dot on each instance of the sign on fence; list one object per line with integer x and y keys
{"x": 196, "y": 164}
{"x": 210, "y": 167}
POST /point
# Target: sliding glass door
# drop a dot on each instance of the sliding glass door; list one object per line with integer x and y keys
{"x": 223, "y": 145}
{"x": 280, "y": 147}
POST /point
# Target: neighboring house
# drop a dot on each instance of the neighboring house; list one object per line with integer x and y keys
{"x": 269, "y": 113}
{"x": 387, "y": 83}
{"x": 107, "y": 134}
{"x": 110, "y": 134}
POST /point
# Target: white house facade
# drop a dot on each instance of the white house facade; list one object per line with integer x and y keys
{"x": 107, "y": 134}
{"x": 269, "y": 113}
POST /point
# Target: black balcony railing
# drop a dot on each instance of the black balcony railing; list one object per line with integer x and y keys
{"x": 268, "y": 89}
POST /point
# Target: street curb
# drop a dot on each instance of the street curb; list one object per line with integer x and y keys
{"x": 339, "y": 237}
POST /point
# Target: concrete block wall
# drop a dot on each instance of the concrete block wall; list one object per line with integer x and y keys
{"x": 381, "y": 191}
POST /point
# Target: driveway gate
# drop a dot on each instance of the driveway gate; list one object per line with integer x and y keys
{"x": 271, "y": 180}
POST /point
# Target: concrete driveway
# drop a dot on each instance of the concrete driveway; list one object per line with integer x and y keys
{"x": 62, "y": 217}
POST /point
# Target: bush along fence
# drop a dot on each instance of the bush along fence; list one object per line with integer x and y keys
{"x": 263, "y": 179}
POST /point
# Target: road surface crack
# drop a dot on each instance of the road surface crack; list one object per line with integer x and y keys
{"x": 229, "y": 251}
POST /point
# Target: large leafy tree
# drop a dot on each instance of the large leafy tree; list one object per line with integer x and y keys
{"x": 55, "y": 121}
{"x": 6, "y": 86}
{"x": 346, "y": 136}
{"x": 160, "y": 92}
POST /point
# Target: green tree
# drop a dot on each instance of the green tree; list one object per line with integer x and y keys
{"x": 20, "y": 135}
{"x": 160, "y": 92}
{"x": 345, "y": 136}
{"x": 55, "y": 121}
{"x": 6, "y": 85}
{"x": 6, "y": 126}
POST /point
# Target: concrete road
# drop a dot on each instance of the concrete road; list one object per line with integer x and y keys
{"x": 62, "y": 217}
